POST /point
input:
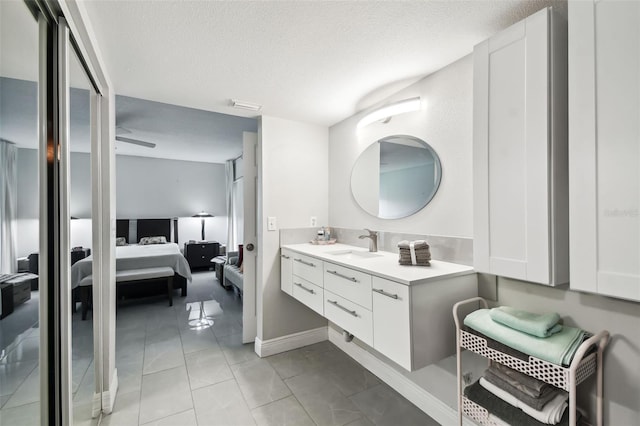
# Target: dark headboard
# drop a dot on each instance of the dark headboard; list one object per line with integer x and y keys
{"x": 122, "y": 229}
{"x": 154, "y": 228}
{"x": 147, "y": 228}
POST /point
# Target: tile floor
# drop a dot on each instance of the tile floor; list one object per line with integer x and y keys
{"x": 172, "y": 373}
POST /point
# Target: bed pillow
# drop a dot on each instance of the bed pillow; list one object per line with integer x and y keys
{"x": 121, "y": 241}
{"x": 153, "y": 240}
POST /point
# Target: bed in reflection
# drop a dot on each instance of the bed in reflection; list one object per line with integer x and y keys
{"x": 148, "y": 262}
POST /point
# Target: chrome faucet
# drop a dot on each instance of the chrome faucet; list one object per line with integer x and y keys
{"x": 373, "y": 239}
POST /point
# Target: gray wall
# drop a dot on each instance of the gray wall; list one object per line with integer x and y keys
{"x": 446, "y": 124}
{"x": 145, "y": 188}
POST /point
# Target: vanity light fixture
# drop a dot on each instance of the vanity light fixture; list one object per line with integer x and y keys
{"x": 386, "y": 112}
{"x": 245, "y": 105}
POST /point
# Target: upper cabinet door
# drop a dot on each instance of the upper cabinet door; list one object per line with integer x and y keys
{"x": 604, "y": 147}
{"x": 520, "y": 152}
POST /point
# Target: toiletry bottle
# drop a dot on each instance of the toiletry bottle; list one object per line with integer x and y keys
{"x": 320, "y": 236}
{"x": 327, "y": 234}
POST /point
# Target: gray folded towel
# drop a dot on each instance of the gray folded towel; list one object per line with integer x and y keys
{"x": 417, "y": 244}
{"x": 422, "y": 254}
{"x": 527, "y": 384}
{"x": 535, "y": 402}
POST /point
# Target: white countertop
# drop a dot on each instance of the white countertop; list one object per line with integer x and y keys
{"x": 385, "y": 266}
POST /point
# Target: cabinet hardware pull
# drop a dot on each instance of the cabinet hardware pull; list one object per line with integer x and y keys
{"x": 305, "y": 262}
{"x": 384, "y": 293}
{"x": 285, "y": 256}
{"x": 338, "y": 274}
{"x": 337, "y": 305}
{"x": 304, "y": 288}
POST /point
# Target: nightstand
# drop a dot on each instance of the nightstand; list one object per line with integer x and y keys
{"x": 199, "y": 254}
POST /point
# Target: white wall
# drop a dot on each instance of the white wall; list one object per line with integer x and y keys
{"x": 293, "y": 178}
{"x": 445, "y": 124}
{"x": 145, "y": 188}
{"x": 157, "y": 188}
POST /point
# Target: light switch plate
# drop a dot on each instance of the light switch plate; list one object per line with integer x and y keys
{"x": 313, "y": 221}
{"x": 272, "y": 224}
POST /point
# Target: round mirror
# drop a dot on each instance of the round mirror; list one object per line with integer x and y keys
{"x": 395, "y": 177}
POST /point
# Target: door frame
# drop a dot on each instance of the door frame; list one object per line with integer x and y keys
{"x": 250, "y": 205}
{"x": 102, "y": 203}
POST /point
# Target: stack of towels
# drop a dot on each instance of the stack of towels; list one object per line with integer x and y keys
{"x": 414, "y": 253}
{"x": 541, "y": 336}
{"x": 513, "y": 397}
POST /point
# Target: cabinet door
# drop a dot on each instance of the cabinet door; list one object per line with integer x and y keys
{"x": 391, "y": 321}
{"x": 286, "y": 271}
{"x": 604, "y": 147}
{"x": 514, "y": 150}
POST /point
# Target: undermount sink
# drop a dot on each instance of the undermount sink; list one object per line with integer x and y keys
{"x": 353, "y": 254}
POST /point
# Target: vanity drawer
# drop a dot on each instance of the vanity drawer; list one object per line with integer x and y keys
{"x": 308, "y": 268}
{"x": 348, "y": 283}
{"x": 286, "y": 271}
{"x": 309, "y": 294}
{"x": 349, "y": 316}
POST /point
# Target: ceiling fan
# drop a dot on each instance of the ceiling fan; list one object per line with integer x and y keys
{"x": 122, "y": 130}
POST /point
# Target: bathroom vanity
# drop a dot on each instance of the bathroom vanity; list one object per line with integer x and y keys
{"x": 403, "y": 312}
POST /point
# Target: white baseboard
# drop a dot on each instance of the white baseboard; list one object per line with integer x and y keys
{"x": 109, "y": 397}
{"x": 419, "y": 396}
{"x": 292, "y": 341}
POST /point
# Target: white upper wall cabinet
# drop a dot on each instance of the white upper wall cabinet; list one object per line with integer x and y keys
{"x": 604, "y": 147}
{"x": 520, "y": 180}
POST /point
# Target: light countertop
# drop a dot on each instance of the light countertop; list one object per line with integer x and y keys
{"x": 385, "y": 265}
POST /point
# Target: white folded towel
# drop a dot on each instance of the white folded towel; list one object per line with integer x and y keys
{"x": 550, "y": 414}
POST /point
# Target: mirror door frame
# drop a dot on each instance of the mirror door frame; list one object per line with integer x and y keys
{"x": 64, "y": 23}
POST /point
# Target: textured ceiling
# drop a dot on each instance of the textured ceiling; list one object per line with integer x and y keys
{"x": 314, "y": 61}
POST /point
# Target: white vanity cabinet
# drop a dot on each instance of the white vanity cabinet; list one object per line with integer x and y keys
{"x": 286, "y": 271}
{"x": 520, "y": 152}
{"x": 403, "y": 312}
{"x": 604, "y": 147}
{"x": 391, "y": 319}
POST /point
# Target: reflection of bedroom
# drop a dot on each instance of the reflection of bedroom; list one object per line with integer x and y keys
{"x": 182, "y": 176}
{"x": 177, "y": 175}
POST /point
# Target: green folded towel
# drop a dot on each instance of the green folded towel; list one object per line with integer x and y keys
{"x": 558, "y": 348}
{"x": 527, "y": 322}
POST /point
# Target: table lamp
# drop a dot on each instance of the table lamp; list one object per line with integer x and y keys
{"x": 202, "y": 215}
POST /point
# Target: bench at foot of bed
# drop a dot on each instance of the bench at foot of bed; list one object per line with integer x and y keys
{"x": 126, "y": 276}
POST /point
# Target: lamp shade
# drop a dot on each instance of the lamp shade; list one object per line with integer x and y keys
{"x": 202, "y": 214}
